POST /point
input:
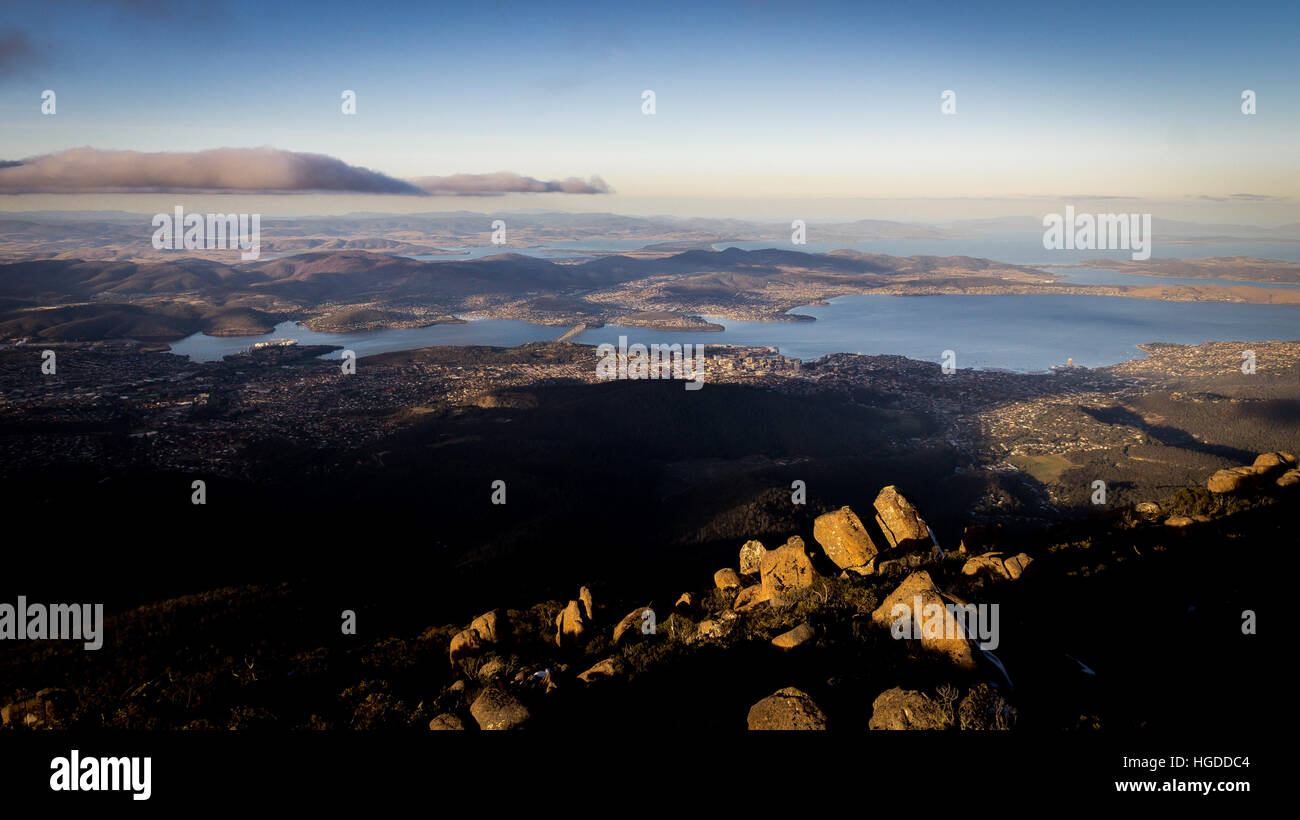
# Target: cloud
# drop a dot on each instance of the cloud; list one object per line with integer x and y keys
{"x": 1242, "y": 198}
{"x": 504, "y": 182}
{"x": 249, "y": 170}
{"x": 232, "y": 170}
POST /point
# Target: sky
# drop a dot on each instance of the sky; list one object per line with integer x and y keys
{"x": 761, "y": 108}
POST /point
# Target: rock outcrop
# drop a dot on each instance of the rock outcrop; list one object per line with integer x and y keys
{"x": 1267, "y": 466}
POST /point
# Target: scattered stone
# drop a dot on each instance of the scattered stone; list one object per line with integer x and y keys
{"x": 588, "y": 604}
{"x": 570, "y": 625}
{"x": 1289, "y": 478}
{"x": 845, "y": 541}
{"x": 956, "y": 648}
{"x": 786, "y": 568}
{"x": 787, "y": 709}
{"x": 685, "y": 603}
{"x": 1179, "y": 521}
{"x": 1147, "y": 508}
{"x": 897, "y": 708}
{"x": 47, "y": 709}
{"x": 497, "y": 710}
{"x": 726, "y": 579}
{"x": 799, "y": 635}
{"x": 899, "y": 519}
{"x": 446, "y": 722}
{"x": 751, "y": 557}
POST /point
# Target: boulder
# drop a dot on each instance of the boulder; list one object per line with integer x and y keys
{"x": 608, "y": 668}
{"x": 1232, "y": 479}
{"x": 570, "y": 625}
{"x": 493, "y": 668}
{"x": 489, "y": 626}
{"x": 1276, "y": 462}
{"x": 464, "y": 644}
{"x": 588, "y": 604}
{"x": 751, "y": 557}
{"x": 718, "y": 628}
{"x": 787, "y": 709}
{"x": 1289, "y": 478}
{"x": 786, "y": 568}
{"x": 896, "y": 709}
{"x": 1017, "y": 564}
{"x": 726, "y": 579}
{"x": 447, "y": 722}
{"x": 1179, "y": 521}
{"x": 998, "y": 565}
{"x": 899, "y": 520}
{"x": 845, "y": 541}
{"x": 749, "y": 598}
{"x": 799, "y": 635}
{"x": 630, "y": 623}
{"x": 901, "y": 564}
{"x": 497, "y": 710}
{"x": 685, "y": 603}
{"x": 951, "y": 641}
{"x": 1147, "y": 508}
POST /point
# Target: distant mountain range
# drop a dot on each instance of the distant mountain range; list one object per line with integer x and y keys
{"x": 126, "y": 236}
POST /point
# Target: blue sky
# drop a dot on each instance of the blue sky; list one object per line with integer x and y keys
{"x": 755, "y": 101}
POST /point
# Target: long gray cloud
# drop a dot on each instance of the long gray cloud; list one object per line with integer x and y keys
{"x": 504, "y": 182}
{"x": 247, "y": 170}
{"x": 243, "y": 170}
